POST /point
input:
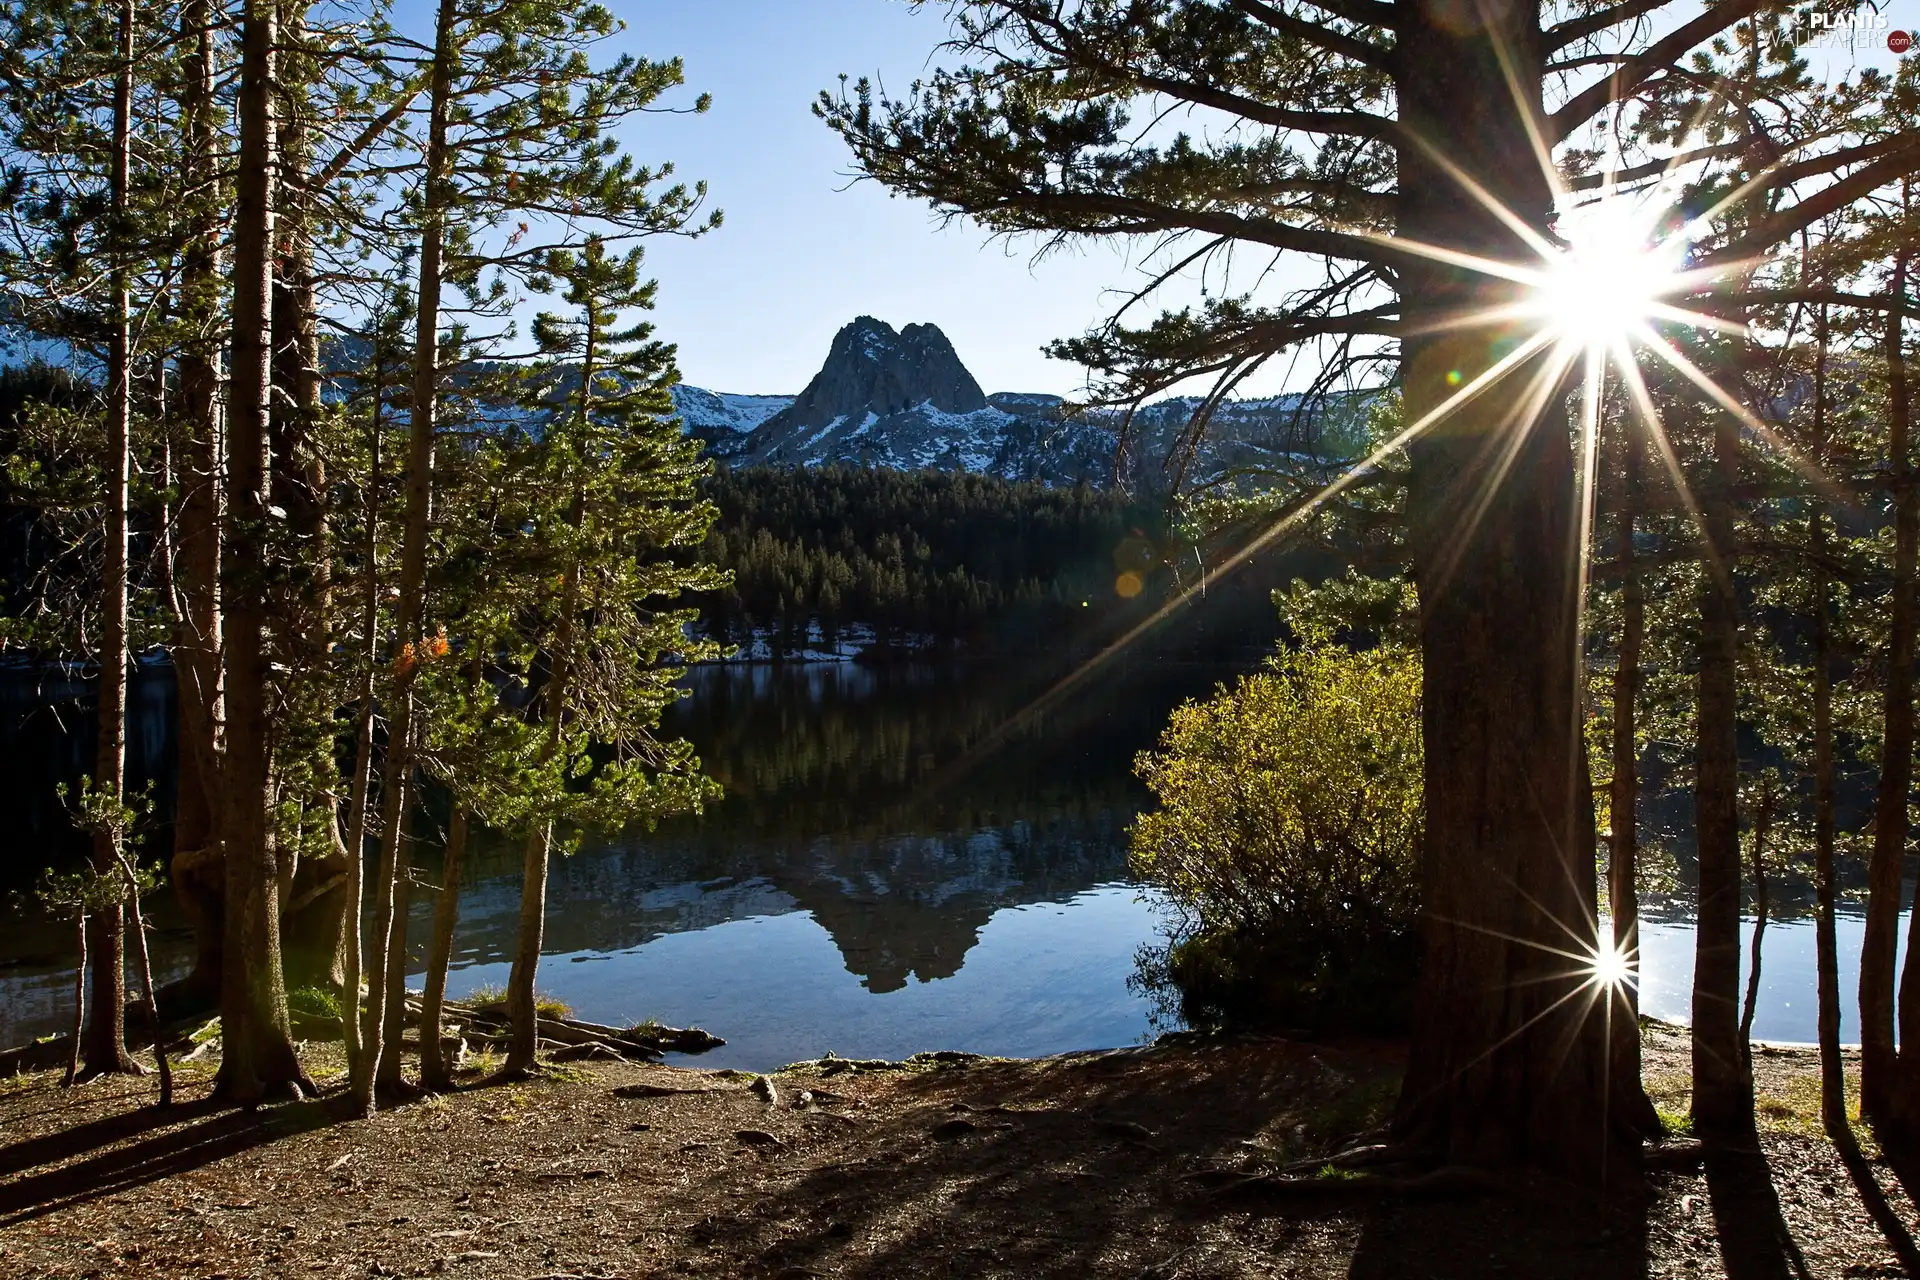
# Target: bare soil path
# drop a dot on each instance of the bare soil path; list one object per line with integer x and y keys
{"x": 1132, "y": 1163}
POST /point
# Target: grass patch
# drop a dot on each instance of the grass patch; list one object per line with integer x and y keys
{"x": 313, "y": 1002}
{"x": 491, "y": 1002}
{"x": 1677, "y": 1123}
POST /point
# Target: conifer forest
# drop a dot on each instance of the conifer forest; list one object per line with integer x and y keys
{"x": 1401, "y": 763}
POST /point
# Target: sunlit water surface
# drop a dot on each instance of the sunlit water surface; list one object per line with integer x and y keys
{"x": 902, "y": 862}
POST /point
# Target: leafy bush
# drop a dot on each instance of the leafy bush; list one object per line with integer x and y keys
{"x": 491, "y": 1002}
{"x": 313, "y": 1002}
{"x": 1287, "y": 840}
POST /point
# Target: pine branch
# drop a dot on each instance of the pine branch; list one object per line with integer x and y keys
{"x": 1641, "y": 67}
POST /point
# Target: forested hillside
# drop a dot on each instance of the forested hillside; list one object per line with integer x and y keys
{"x": 923, "y": 556}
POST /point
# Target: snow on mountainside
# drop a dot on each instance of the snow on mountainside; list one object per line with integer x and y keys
{"x": 703, "y": 411}
{"x": 903, "y": 399}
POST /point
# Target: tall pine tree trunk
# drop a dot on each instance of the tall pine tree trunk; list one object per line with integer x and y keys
{"x": 106, "y": 1047}
{"x": 313, "y": 918}
{"x": 1904, "y": 1115}
{"x": 1833, "y": 1092}
{"x": 413, "y": 547}
{"x": 435, "y": 1072}
{"x": 522, "y": 1010}
{"x": 257, "y": 1054}
{"x": 1623, "y": 854}
{"x": 196, "y": 869}
{"x": 1762, "y": 910}
{"x": 1722, "y": 1082}
{"x": 387, "y": 1078}
{"x": 358, "y": 787}
{"x": 1833, "y": 1080}
{"x": 1879, "y": 1070}
{"x": 150, "y": 1002}
{"x": 523, "y": 1037}
{"x": 1509, "y": 1062}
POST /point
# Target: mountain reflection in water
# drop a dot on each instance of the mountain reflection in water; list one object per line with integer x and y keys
{"x": 897, "y": 811}
{"x": 903, "y": 860}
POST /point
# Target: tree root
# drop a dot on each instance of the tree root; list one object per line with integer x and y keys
{"x": 1446, "y": 1181}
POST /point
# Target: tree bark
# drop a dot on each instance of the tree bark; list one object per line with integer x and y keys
{"x": 1833, "y": 1091}
{"x": 388, "y": 1079}
{"x": 313, "y": 927}
{"x": 1879, "y": 1069}
{"x": 150, "y": 1000}
{"x": 1722, "y": 1082}
{"x": 106, "y": 1047}
{"x": 1509, "y": 1060}
{"x": 1762, "y": 908}
{"x": 522, "y": 1013}
{"x": 1904, "y": 1115}
{"x": 417, "y": 519}
{"x": 435, "y": 1072}
{"x": 79, "y": 1001}
{"x": 196, "y": 868}
{"x": 1623, "y": 853}
{"x": 257, "y": 1054}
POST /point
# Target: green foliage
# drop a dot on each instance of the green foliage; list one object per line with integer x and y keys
{"x": 316, "y": 1003}
{"x": 1287, "y": 837}
{"x": 491, "y": 1002}
{"x": 996, "y": 564}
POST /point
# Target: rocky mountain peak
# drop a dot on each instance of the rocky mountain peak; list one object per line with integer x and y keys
{"x": 871, "y": 368}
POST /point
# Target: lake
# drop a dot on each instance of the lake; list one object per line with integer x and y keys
{"x": 907, "y": 858}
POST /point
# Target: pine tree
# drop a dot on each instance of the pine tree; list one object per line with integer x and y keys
{"x": 611, "y": 487}
{"x": 1342, "y": 107}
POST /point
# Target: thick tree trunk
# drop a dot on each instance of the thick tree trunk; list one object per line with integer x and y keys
{"x": 418, "y": 517}
{"x": 196, "y": 871}
{"x": 1722, "y": 1082}
{"x": 435, "y": 1072}
{"x": 1879, "y": 1070}
{"x": 1509, "y": 1061}
{"x": 106, "y": 1047}
{"x": 257, "y": 1054}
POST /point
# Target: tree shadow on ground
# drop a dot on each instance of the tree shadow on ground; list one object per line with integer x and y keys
{"x": 180, "y": 1139}
{"x": 1755, "y": 1242}
{"x": 1543, "y": 1232}
{"x": 1898, "y": 1236}
{"x": 1112, "y": 1169}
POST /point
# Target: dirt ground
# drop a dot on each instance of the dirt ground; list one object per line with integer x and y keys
{"x": 1126, "y": 1163}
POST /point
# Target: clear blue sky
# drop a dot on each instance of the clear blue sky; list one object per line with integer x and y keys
{"x": 754, "y": 305}
{"x": 804, "y": 249}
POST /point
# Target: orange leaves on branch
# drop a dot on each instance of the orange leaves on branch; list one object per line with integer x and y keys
{"x": 413, "y": 655}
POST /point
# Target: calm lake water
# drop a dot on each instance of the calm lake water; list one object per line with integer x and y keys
{"x": 903, "y": 861}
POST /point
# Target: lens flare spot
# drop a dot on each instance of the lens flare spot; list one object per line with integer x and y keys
{"x": 1128, "y": 585}
{"x": 1610, "y": 968}
{"x": 1613, "y": 274}
{"x": 1454, "y": 378}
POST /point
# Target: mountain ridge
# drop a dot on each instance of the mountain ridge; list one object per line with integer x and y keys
{"x": 904, "y": 399}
